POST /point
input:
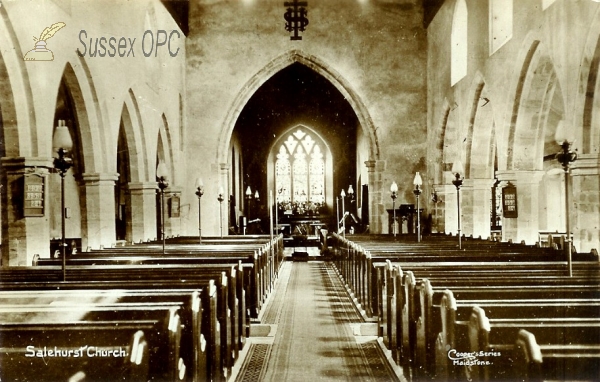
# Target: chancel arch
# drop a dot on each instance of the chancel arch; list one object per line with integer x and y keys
{"x": 357, "y": 109}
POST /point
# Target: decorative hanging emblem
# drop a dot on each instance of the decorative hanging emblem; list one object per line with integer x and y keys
{"x": 295, "y": 17}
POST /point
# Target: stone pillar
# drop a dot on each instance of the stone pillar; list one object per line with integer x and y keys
{"x": 377, "y": 213}
{"x": 448, "y": 194}
{"x": 526, "y": 226}
{"x": 224, "y": 206}
{"x": 98, "y": 210}
{"x": 585, "y": 202}
{"x": 141, "y": 212}
{"x": 438, "y": 214}
{"x": 476, "y": 207}
{"x": 23, "y": 237}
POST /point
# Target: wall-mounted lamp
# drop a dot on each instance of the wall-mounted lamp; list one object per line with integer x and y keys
{"x": 418, "y": 182}
{"x": 199, "y": 193}
{"x": 163, "y": 183}
{"x": 220, "y": 198}
{"x": 62, "y": 144}
{"x": 394, "y": 190}
{"x": 457, "y": 170}
{"x": 565, "y": 157}
{"x": 343, "y": 196}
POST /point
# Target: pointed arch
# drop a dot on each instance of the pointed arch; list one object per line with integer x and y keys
{"x": 167, "y": 130}
{"x": 16, "y": 103}
{"x": 133, "y": 136}
{"x": 277, "y": 65}
{"x": 587, "y": 105}
{"x": 479, "y": 151}
{"x": 91, "y": 132}
{"x": 141, "y": 168}
{"x": 538, "y": 82}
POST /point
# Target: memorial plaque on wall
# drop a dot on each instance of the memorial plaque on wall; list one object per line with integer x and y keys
{"x": 174, "y": 212}
{"x": 33, "y": 200}
{"x": 509, "y": 201}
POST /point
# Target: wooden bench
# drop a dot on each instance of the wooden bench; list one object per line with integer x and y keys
{"x": 104, "y": 329}
{"x": 568, "y": 347}
{"x": 458, "y": 322}
{"x": 227, "y": 319}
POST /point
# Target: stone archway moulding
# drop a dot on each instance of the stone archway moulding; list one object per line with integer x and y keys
{"x": 277, "y": 65}
{"x": 18, "y": 113}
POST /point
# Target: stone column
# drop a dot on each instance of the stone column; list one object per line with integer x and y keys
{"x": 141, "y": 211}
{"x": 23, "y": 237}
{"x": 447, "y": 192}
{"x": 585, "y": 202}
{"x": 526, "y": 226}
{"x": 438, "y": 215}
{"x": 377, "y": 213}
{"x": 224, "y": 206}
{"x": 98, "y": 210}
{"x": 476, "y": 207}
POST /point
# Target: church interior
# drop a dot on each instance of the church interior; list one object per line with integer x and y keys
{"x": 348, "y": 190}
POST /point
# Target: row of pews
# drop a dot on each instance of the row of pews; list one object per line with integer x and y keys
{"x": 487, "y": 311}
{"x": 136, "y": 313}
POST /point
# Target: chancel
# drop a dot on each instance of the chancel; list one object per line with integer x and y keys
{"x": 234, "y": 191}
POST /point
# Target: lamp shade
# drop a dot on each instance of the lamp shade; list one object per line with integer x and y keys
{"x": 161, "y": 170}
{"x": 256, "y": 195}
{"x": 563, "y": 133}
{"x": 394, "y": 187}
{"x": 248, "y": 191}
{"x": 221, "y": 190}
{"x": 343, "y": 193}
{"x": 199, "y": 183}
{"x": 418, "y": 181}
{"x": 457, "y": 167}
{"x": 62, "y": 138}
{"x": 350, "y": 190}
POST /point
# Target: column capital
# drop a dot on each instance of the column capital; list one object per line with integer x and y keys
{"x": 586, "y": 164}
{"x": 173, "y": 190}
{"x": 96, "y": 177}
{"x": 16, "y": 164}
{"x": 375, "y": 165}
{"x": 140, "y": 186}
{"x": 523, "y": 177}
{"x": 479, "y": 184}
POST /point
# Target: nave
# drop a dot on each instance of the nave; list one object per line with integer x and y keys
{"x": 366, "y": 307}
{"x": 316, "y": 333}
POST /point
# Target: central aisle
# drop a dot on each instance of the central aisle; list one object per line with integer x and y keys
{"x": 314, "y": 339}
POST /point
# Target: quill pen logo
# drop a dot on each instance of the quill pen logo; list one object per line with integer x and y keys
{"x": 41, "y": 52}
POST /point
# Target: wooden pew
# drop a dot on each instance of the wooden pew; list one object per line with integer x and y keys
{"x": 568, "y": 347}
{"x": 25, "y": 330}
{"x": 458, "y": 315}
{"x": 130, "y": 277}
{"x": 23, "y": 362}
{"x": 192, "y": 311}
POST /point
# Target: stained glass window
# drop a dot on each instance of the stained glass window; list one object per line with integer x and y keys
{"x": 300, "y": 170}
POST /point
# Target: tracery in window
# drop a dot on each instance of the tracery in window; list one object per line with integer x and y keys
{"x": 300, "y": 170}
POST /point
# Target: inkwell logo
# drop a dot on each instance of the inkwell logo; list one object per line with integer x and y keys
{"x": 295, "y": 17}
{"x": 40, "y": 52}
